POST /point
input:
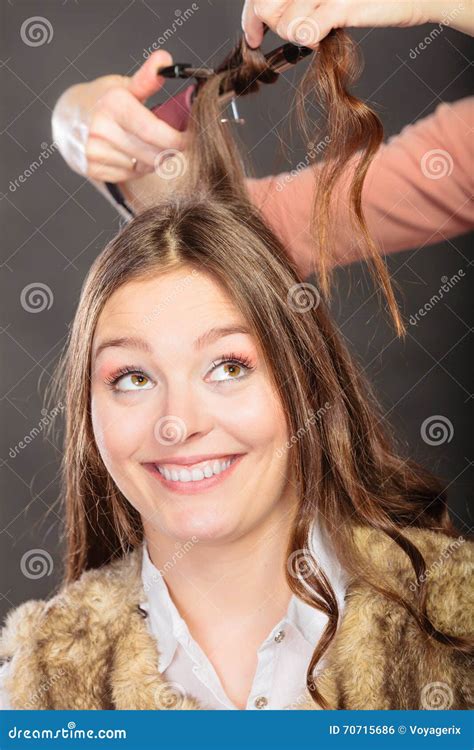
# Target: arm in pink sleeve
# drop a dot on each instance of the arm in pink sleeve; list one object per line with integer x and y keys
{"x": 417, "y": 191}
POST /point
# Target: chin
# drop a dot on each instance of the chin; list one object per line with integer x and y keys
{"x": 203, "y": 524}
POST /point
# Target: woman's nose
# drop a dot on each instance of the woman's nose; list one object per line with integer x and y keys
{"x": 182, "y": 415}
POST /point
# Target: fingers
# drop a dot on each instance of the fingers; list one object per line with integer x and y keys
{"x": 252, "y": 26}
{"x": 259, "y": 12}
{"x": 105, "y": 163}
{"x": 103, "y": 173}
{"x": 108, "y": 163}
{"x": 122, "y": 128}
{"x": 106, "y": 130}
{"x": 308, "y": 22}
{"x": 145, "y": 82}
{"x": 134, "y": 118}
{"x": 305, "y": 22}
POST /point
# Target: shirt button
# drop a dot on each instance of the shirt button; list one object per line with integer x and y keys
{"x": 279, "y": 636}
{"x": 260, "y": 702}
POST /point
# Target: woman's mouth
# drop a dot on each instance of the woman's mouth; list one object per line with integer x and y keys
{"x": 190, "y": 479}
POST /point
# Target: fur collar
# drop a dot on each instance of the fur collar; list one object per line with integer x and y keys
{"x": 89, "y": 646}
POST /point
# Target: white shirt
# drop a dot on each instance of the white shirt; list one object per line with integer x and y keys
{"x": 282, "y": 659}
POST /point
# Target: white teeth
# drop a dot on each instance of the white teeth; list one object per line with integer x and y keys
{"x": 196, "y": 474}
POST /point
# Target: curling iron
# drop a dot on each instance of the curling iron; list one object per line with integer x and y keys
{"x": 176, "y": 110}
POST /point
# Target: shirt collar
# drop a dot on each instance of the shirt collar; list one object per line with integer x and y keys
{"x": 165, "y": 620}
{"x": 167, "y": 624}
{"x": 310, "y": 622}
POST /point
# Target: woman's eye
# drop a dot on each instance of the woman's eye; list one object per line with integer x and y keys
{"x": 134, "y": 382}
{"x": 228, "y": 371}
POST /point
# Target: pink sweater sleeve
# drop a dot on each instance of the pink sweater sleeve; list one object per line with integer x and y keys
{"x": 417, "y": 191}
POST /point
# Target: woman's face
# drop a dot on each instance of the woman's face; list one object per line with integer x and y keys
{"x": 184, "y": 413}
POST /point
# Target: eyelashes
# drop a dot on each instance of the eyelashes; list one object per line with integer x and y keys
{"x": 239, "y": 360}
{"x": 234, "y": 359}
{"x": 113, "y": 379}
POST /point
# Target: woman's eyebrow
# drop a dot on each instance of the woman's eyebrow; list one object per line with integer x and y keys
{"x": 134, "y": 342}
{"x": 218, "y": 332}
{"x": 129, "y": 342}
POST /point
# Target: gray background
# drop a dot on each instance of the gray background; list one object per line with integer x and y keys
{"x": 55, "y": 224}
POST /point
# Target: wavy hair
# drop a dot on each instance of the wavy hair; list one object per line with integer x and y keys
{"x": 346, "y": 469}
{"x": 351, "y": 130}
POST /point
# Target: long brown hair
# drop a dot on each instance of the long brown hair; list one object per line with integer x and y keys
{"x": 345, "y": 468}
{"x": 351, "y": 131}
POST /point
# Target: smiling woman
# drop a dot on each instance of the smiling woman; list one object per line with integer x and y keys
{"x": 241, "y": 532}
{"x": 196, "y": 409}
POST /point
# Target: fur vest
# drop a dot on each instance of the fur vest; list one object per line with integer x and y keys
{"x": 89, "y": 646}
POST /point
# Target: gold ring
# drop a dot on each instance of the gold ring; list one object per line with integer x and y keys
{"x": 134, "y": 163}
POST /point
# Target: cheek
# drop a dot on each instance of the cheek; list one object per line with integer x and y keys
{"x": 256, "y": 416}
{"x": 118, "y": 432}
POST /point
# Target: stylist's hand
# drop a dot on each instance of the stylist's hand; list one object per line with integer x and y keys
{"x": 307, "y": 23}
{"x": 103, "y": 125}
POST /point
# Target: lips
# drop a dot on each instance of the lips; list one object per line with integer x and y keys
{"x": 191, "y": 460}
{"x": 190, "y": 476}
{"x": 194, "y": 472}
